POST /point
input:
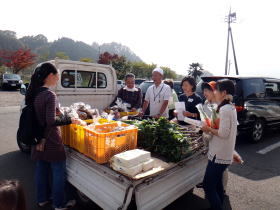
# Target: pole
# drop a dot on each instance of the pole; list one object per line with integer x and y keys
{"x": 234, "y": 55}
{"x": 228, "y": 20}
{"x": 226, "y": 66}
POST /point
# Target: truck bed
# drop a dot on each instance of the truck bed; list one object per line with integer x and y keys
{"x": 112, "y": 190}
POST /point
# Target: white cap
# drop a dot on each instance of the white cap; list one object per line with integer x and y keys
{"x": 159, "y": 70}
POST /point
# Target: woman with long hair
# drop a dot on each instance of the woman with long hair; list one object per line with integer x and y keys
{"x": 11, "y": 195}
{"x": 49, "y": 152}
{"x": 221, "y": 145}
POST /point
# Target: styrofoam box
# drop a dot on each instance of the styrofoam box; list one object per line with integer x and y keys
{"x": 131, "y": 158}
{"x": 148, "y": 165}
{"x": 129, "y": 171}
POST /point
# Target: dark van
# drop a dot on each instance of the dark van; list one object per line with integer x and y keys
{"x": 257, "y": 101}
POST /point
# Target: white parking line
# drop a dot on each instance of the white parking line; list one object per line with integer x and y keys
{"x": 269, "y": 148}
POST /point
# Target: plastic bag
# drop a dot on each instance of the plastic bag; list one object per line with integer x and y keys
{"x": 203, "y": 116}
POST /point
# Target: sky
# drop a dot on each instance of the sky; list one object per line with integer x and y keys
{"x": 170, "y": 33}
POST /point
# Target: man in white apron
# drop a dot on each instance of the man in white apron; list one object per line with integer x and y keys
{"x": 157, "y": 96}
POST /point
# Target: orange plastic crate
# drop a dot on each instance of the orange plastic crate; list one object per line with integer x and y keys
{"x": 73, "y": 135}
{"x": 102, "y": 143}
{"x": 65, "y": 134}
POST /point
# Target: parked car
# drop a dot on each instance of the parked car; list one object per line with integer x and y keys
{"x": 177, "y": 87}
{"x": 120, "y": 84}
{"x": 138, "y": 82}
{"x": 8, "y": 80}
{"x": 257, "y": 101}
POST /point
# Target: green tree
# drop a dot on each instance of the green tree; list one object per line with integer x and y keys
{"x": 168, "y": 73}
{"x": 142, "y": 70}
{"x": 121, "y": 66}
{"x": 9, "y": 41}
{"x": 62, "y": 55}
{"x": 88, "y": 60}
{"x": 44, "y": 57}
{"x": 195, "y": 70}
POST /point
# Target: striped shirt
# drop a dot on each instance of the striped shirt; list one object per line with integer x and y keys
{"x": 45, "y": 108}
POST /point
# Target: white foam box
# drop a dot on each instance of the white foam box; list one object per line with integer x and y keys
{"x": 148, "y": 165}
{"x": 131, "y": 158}
{"x": 129, "y": 171}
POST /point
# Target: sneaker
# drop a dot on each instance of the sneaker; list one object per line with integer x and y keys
{"x": 43, "y": 204}
{"x": 71, "y": 203}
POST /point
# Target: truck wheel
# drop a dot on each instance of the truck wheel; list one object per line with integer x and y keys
{"x": 257, "y": 131}
{"x": 23, "y": 147}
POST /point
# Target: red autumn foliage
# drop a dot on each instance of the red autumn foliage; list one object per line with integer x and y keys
{"x": 107, "y": 58}
{"x": 17, "y": 60}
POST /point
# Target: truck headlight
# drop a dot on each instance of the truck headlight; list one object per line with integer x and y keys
{"x": 5, "y": 81}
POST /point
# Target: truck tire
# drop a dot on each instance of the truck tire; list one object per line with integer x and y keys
{"x": 257, "y": 132}
{"x": 23, "y": 147}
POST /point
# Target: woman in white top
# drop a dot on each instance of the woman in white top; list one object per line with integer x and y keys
{"x": 208, "y": 106}
{"x": 221, "y": 146}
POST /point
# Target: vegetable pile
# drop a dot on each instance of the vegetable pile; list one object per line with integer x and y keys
{"x": 167, "y": 139}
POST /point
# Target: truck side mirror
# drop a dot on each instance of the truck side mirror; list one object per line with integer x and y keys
{"x": 22, "y": 89}
{"x": 26, "y": 85}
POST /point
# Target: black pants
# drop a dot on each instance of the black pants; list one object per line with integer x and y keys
{"x": 213, "y": 184}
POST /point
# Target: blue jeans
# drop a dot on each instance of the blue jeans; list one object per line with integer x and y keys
{"x": 213, "y": 184}
{"x": 58, "y": 172}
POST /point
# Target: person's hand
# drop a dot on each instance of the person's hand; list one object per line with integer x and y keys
{"x": 187, "y": 114}
{"x": 41, "y": 146}
{"x": 133, "y": 110}
{"x": 175, "y": 113}
{"x": 117, "y": 115}
{"x": 75, "y": 120}
{"x": 237, "y": 159}
{"x": 205, "y": 128}
{"x": 157, "y": 116}
{"x": 78, "y": 122}
{"x": 141, "y": 114}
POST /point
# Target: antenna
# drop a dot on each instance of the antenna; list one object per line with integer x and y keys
{"x": 230, "y": 18}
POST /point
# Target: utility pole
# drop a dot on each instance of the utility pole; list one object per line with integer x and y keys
{"x": 230, "y": 18}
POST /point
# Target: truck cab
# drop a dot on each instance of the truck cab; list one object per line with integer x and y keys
{"x": 91, "y": 83}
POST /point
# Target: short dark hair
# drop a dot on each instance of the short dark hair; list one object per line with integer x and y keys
{"x": 129, "y": 75}
{"x": 226, "y": 85}
{"x": 190, "y": 80}
{"x": 169, "y": 82}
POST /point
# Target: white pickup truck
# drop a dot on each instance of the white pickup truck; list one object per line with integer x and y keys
{"x": 96, "y": 85}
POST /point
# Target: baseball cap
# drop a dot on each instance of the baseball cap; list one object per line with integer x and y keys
{"x": 210, "y": 85}
{"x": 159, "y": 70}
